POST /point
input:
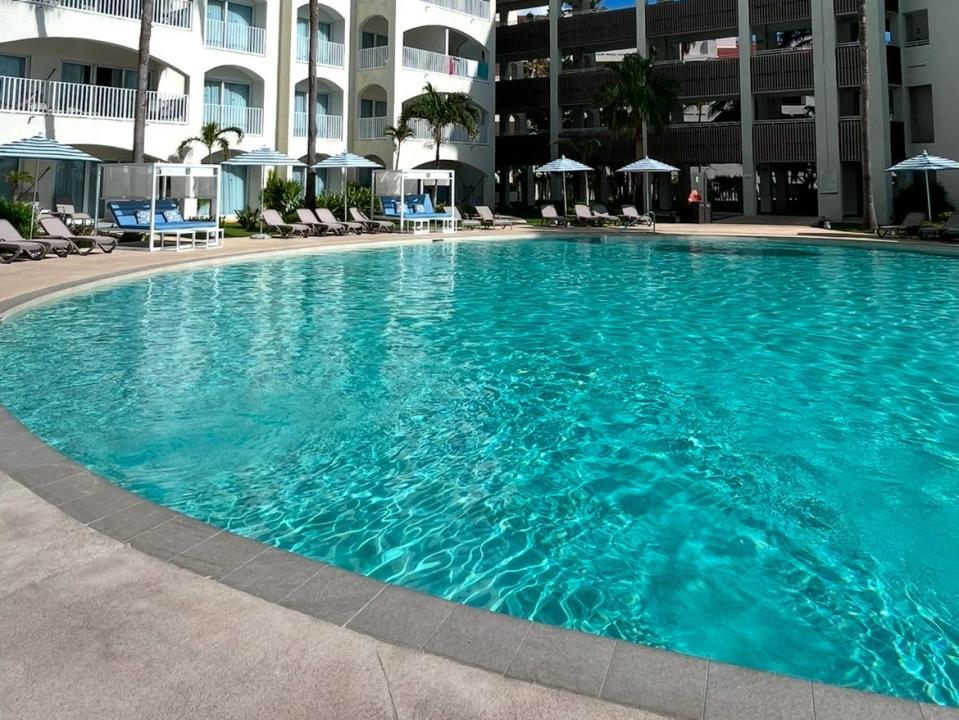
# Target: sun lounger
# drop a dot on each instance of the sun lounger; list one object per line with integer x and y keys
{"x": 632, "y": 218}
{"x": 10, "y": 251}
{"x": 600, "y": 212}
{"x": 325, "y": 216}
{"x": 585, "y": 216}
{"x": 464, "y": 223}
{"x": 308, "y": 217}
{"x": 56, "y": 228}
{"x": 909, "y": 226}
{"x": 488, "y": 219}
{"x": 371, "y": 225}
{"x": 551, "y": 217}
{"x": 9, "y": 234}
{"x": 275, "y": 223}
{"x": 69, "y": 214}
{"x": 949, "y": 231}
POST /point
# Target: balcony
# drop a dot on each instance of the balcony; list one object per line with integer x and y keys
{"x": 770, "y": 12}
{"x": 846, "y": 7}
{"x": 850, "y": 139}
{"x": 679, "y": 17}
{"x": 330, "y": 54}
{"x": 848, "y": 66}
{"x": 235, "y": 37}
{"x": 580, "y": 87}
{"x": 171, "y": 13}
{"x": 785, "y": 141}
{"x": 598, "y": 30}
{"x": 370, "y": 128}
{"x": 451, "y": 134}
{"x": 477, "y": 8}
{"x": 519, "y": 150}
{"x": 615, "y": 148}
{"x": 328, "y": 127}
{"x": 698, "y": 143}
{"x": 894, "y": 64}
{"x": 248, "y": 119}
{"x": 373, "y": 58}
{"x": 783, "y": 71}
{"x": 523, "y": 41}
{"x": 703, "y": 78}
{"x": 523, "y": 95}
{"x": 440, "y": 64}
{"x": 51, "y": 97}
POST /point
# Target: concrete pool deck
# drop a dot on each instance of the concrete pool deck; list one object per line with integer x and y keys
{"x": 113, "y": 607}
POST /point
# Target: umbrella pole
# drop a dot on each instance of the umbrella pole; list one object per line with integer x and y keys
{"x": 36, "y": 195}
{"x": 565, "y": 201}
{"x": 344, "y": 196}
{"x": 928, "y": 197}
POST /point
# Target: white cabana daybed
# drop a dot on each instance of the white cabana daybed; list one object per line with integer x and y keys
{"x": 403, "y": 196}
{"x": 162, "y": 200}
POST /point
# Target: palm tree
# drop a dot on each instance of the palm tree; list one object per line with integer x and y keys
{"x": 443, "y": 110}
{"x": 638, "y": 98}
{"x": 398, "y": 134}
{"x": 143, "y": 75}
{"x": 868, "y": 200}
{"x": 212, "y": 135}
{"x": 310, "y": 199}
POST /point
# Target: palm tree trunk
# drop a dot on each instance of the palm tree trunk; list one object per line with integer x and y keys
{"x": 868, "y": 199}
{"x": 143, "y": 75}
{"x": 311, "y": 103}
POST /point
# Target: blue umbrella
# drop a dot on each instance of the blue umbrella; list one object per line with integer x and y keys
{"x": 346, "y": 160}
{"x": 563, "y": 165}
{"x": 645, "y": 166}
{"x": 42, "y": 148}
{"x": 925, "y": 163}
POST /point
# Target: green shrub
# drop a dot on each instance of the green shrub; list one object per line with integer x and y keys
{"x": 913, "y": 199}
{"x": 248, "y": 218}
{"x": 357, "y": 196}
{"x": 19, "y": 214}
{"x": 282, "y": 195}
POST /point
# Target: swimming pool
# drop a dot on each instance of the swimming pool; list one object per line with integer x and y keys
{"x": 741, "y": 450}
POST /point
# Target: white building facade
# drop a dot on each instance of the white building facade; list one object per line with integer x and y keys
{"x": 68, "y": 71}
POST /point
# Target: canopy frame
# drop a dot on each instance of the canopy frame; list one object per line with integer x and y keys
{"x": 421, "y": 176}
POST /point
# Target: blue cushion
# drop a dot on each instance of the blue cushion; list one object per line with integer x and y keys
{"x": 143, "y": 217}
{"x": 172, "y": 216}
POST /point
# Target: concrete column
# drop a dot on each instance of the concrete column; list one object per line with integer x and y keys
{"x": 747, "y": 108}
{"x": 642, "y": 47}
{"x": 880, "y": 131}
{"x": 284, "y": 81}
{"x": 766, "y": 191}
{"x": 555, "y": 67}
{"x": 827, "y": 108}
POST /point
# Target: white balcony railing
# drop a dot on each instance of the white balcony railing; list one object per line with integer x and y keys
{"x": 370, "y": 128}
{"x": 434, "y": 62}
{"x": 248, "y": 119}
{"x": 328, "y": 53}
{"x": 328, "y": 127}
{"x": 235, "y": 37}
{"x": 377, "y": 57}
{"x": 174, "y": 13}
{"x": 27, "y": 95}
{"x": 479, "y": 8}
{"x": 451, "y": 133}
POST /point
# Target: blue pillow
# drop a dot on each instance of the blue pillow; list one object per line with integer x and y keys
{"x": 143, "y": 217}
{"x": 172, "y": 216}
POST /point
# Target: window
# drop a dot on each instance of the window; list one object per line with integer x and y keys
{"x": 374, "y": 40}
{"x": 921, "y": 111}
{"x": 917, "y": 28}
{"x": 322, "y": 103}
{"x": 372, "y": 108}
{"x": 13, "y": 66}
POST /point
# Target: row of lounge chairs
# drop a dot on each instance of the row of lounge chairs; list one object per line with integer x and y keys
{"x": 322, "y": 222}
{"x": 912, "y": 226}
{"x": 59, "y": 240}
{"x": 598, "y": 216}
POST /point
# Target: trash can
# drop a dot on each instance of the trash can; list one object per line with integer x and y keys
{"x": 700, "y": 213}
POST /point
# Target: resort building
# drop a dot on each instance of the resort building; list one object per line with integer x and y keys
{"x": 770, "y": 94}
{"x": 68, "y": 70}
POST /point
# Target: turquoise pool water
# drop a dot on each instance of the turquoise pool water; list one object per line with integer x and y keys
{"x": 738, "y": 450}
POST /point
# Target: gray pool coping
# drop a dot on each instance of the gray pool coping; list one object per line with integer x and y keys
{"x": 659, "y": 681}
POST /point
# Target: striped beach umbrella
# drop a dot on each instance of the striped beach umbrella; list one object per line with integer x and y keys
{"x": 345, "y": 161}
{"x": 40, "y": 148}
{"x": 925, "y": 164}
{"x": 264, "y": 157}
{"x": 563, "y": 165}
{"x": 645, "y": 166}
